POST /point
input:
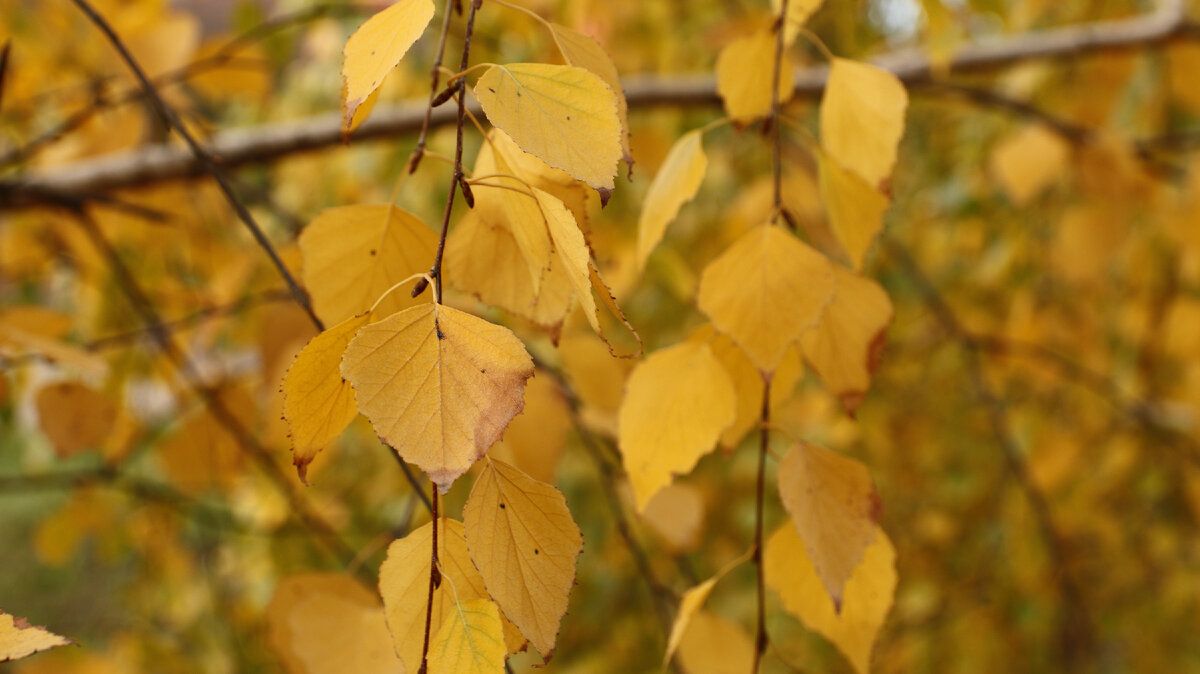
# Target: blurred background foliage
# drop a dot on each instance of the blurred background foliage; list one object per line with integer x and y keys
{"x": 1032, "y": 428}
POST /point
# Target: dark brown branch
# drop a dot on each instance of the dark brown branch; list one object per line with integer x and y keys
{"x": 202, "y": 157}
{"x": 269, "y": 142}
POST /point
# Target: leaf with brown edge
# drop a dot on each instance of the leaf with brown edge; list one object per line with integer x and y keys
{"x": 765, "y": 291}
{"x": 677, "y": 402}
{"x": 19, "y": 639}
{"x": 470, "y": 641}
{"x": 835, "y": 509}
{"x": 376, "y": 47}
{"x": 317, "y": 403}
{"x": 524, "y": 542}
{"x": 845, "y": 347}
{"x": 564, "y": 115}
{"x": 866, "y": 602}
{"x": 439, "y": 385}
{"x": 353, "y": 254}
{"x": 404, "y": 586}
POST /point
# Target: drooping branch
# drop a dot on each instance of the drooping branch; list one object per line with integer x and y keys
{"x": 270, "y": 142}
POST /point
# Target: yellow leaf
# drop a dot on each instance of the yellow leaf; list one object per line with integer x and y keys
{"x": 572, "y": 252}
{"x": 765, "y": 291}
{"x": 676, "y": 514}
{"x": 439, "y": 385}
{"x": 202, "y": 453}
{"x": 862, "y": 118}
{"x": 748, "y": 381}
{"x": 690, "y": 605}
{"x": 18, "y": 638}
{"x": 485, "y": 260}
{"x": 675, "y": 184}
{"x": 317, "y": 403}
{"x": 715, "y": 645}
{"x": 524, "y": 542}
{"x": 510, "y": 205}
{"x": 845, "y": 347}
{"x": 584, "y": 52}
{"x": 835, "y": 507}
{"x": 377, "y": 46}
{"x": 537, "y": 437}
{"x": 866, "y": 600}
{"x": 798, "y": 12}
{"x": 744, "y": 69}
{"x": 563, "y": 115}
{"x": 471, "y": 641}
{"x": 325, "y": 623}
{"x": 404, "y": 586}
{"x": 597, "y": 378}
{"x": 1028, "y": 161}
{"x": 75, "y": 417}
{"x": 539, "y": 174}
{"x": 676, "y": 404}
{"x": 352, "y": 254}
{"x": 855, "y": 208}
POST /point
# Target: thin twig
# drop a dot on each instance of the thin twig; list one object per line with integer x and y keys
{"x": 761, "y": 640}
{"x": 435, "y": 578}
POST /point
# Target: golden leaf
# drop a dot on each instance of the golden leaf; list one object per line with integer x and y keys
{"x": 862, "y": 118}
{"x": 748, "y": 381}
{"x": 845, "y": 347}
{"x": 18, "y": 638}
{"x": 1028, "y": 161}
{"x": 404, "y": 586}
{"x": 564, "y": 115}
{"x": 865, "y": 602}
{"x": 352, "y": 254}
{"x": 439, "y": 385}
{"x": 676, "y": 514}
{"x": 317, "y": 403}
{"x": 202, "y": 453}
{"x": 676, "y": 404}
{"x": 690, "y": 605}
{"x": 537, "y": 437}
{"x": 324, "y": 623}
{"x": 524, "y": 542}
{"x": 470, "y": 641}
{"x": 855, "y": 208}
{"x": 584, "y": 52}
{"x": 765, "y": 291}
{"x": 75, "y": 417}
{"x": 677, "y": 181}
{"x": 715, "y": 645}
{"x": 744, "y": 69}
{"x": 798, "y": 12}
{"x": 835, "y": 508}
{"x": 377, "y": 46}
{"x": 572, "y": 251}
{"x": 510, "y": 205}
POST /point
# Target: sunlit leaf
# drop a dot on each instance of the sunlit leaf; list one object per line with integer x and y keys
{"x": 676, "y": 404}
{"x": 865, "y": 602}
{"x": 765, "y": 291}
{"x": 470, "y": 641}
{"x": 862, "y": 118}
{"x": 582, "y": 51}
{"x": 439, "y": 385}
{"x": 835, "y": 508}
{"x": 524, "y": 542}
{"x": 676, "y": 182}
{"x": 564, "y": 115}
{"x": 377, "y": 46}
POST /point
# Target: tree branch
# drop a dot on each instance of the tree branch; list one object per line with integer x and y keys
{"x": 269, "y": 142}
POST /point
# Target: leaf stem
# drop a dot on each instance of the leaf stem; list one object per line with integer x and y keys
{"x": 760, "y": 638}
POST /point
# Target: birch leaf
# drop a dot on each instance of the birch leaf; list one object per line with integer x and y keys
{"x": 584, "y": 52}
{"x": 866, "y": 600}
{"x": 744, "y": 70}
{"x": 404, "y": 586}
{"x": 676, "y": 183}
{"x": 317, "y": 403}
{"x": 509, "y": 205}
{"x": 714, "y": 644}
{"x": 572, "y": 251}
{"x": 765, "y": 291}
{"x": 325, "y": 623}
{"x": 846, "y": 346}
{"x": 676, "y": 404}
{"x": 862, "y": 118}
{"x": 524, "y": 542}
{"x": 855, "y": 208}
{"x": 377, "y": 46}
{"x": 352, "y": 254}
{"x": 564, "y": 115}
{"x": 18, "y": 638}
{"x": 471, "y": 641}
{"x": 439, "y": 385}
{"x": 835, "y": 508}
{"x": 691, "y": 603}
{"x": 74, "y": 416}
{"x": 797, "y": 14}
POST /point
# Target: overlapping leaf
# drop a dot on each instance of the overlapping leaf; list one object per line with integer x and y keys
{"x": 798, "y": 12}
{"x": 583, "y": 51}
{"x": 524, "y": 542}
{"x": 862, "y": 118}
{"x": 439, "y": 385}
{"x": 470, "y": 641}
{"x": 855, "y": 208}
